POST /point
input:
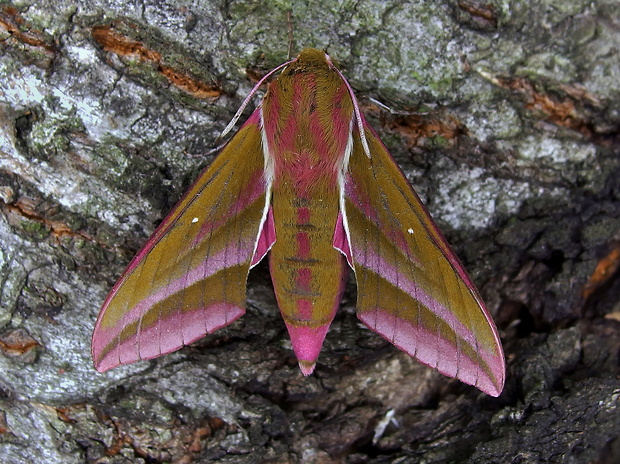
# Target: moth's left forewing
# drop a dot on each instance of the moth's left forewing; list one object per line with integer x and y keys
{"x": 411, "y": 288}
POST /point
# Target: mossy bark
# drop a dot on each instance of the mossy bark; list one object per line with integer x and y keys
{"x": 506, "y": 120}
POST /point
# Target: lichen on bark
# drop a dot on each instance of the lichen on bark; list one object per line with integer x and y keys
{"x": 505, "y": 118}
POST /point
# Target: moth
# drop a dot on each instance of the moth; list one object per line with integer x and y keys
{"x": 307, "y": 181}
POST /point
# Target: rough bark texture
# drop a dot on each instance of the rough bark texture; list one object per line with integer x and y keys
{"x": 515, "y": 148}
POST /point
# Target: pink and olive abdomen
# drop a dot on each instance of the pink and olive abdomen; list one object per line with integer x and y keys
{"x": 306, "y": 119}
{"x": 308, "y": 273}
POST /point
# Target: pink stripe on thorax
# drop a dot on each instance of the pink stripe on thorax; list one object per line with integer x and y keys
{"x": 281, "y": 133}
{"x": 326, "y": 141}
{"x": 270, "y": 124}
{"x": 341, "y": 121}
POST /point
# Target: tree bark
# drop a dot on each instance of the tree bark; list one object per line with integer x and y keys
{"x": 505, "y": 119}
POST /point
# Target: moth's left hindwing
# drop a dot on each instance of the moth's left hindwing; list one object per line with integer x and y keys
{"x": 190, "y": 278}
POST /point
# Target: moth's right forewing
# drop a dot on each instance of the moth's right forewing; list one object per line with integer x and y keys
{"x": 190, "y": 278}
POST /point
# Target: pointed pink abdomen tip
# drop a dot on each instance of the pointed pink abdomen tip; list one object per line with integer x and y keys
{"x": 307, "y": 342}
{"x": 307, "y": 367}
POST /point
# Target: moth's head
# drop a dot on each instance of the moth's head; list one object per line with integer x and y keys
{"x": 312, "y": 58}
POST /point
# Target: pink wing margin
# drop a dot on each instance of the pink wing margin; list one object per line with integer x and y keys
{"x": 190, "y": 278}
{"x": 412, "y": 289}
